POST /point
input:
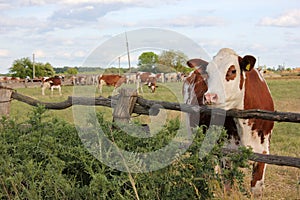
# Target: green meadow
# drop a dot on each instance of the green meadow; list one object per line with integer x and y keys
{"x": 281, "y": 182}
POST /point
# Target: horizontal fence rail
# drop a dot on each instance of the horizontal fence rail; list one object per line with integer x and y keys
{"x": 151, "y": 107}
{"x": 268, "y": 158}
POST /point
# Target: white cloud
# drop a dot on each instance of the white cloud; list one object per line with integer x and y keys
{"x": 39, "y": 53}
{"x": 79, "y": 54}
{"x": 4, "y": 53}
{"x": 80, "y": 2}
{"x": 196, "y": 21}
{"x": 180, "y": 21}
{"x": 288, "y": 19}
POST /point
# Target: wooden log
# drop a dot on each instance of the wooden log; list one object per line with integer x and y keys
{"x": 269, "y": 159}
{"x": 143, "y": 105}
{"x": 245, "y": 114}
{"x": 124, "y": 105}
{"x": 5, "y": 99}
{"x": 87, "y": 101}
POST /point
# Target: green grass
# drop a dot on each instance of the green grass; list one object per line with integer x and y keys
{"x": 281, "y": 182}
{"x": 284, "y": 182}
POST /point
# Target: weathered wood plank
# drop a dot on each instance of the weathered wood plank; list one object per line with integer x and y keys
{"x": 5, "y": 98}
{"x": 124, "y": 105}
{"x": 269, "y": 159}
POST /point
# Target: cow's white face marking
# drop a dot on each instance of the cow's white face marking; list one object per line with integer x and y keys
{"x": 224, "y": 75}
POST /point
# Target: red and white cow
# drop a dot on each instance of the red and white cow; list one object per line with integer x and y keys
{"x": 146, "y": 78}
{"x": 233, "y": 83}
{"x": 52, "y": 83}
{"x": 110, "y": 80}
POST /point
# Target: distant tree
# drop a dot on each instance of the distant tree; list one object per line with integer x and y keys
{"x": 163, "y": 69}
{"x": 146, "y": 68}
{"x": 21, "y": 68}
{"x": 147, "y": 58}
{"x": 44, "y": 69}
{"x": 72, "y": 71}
{"x": 173, "y": 59}
{"x": 24, "y": 67}
{"x": 61, "y": 70}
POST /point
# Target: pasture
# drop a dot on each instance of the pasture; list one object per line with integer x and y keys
{"x": 281, "y": 182}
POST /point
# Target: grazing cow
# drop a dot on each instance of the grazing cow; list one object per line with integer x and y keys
{"x": 152, "y": 84}
{"x": 146, "y": 78}
{"x": 233, "y": 83}
{"x": 130, "y": 77}
{"x": 110, "y": 80}
{"x": 80, "y": 80}
{"x": 160, "y": 77}
{"x": 52, "y": 83}
{"x": 171, "y": 77}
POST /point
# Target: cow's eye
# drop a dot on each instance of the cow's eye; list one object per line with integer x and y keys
{"x": 233, "y": 71}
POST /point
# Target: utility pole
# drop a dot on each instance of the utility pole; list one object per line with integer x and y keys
{"x": 119, "y": 63}
{"x": 33, "y": 67}
{"x": 128, "y": 52}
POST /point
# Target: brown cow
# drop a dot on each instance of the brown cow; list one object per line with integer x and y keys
{"x": 52, "y": 83}
{"x": 110, "y": 80}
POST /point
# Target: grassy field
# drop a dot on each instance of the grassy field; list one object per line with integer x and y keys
{"x": 281, "y": 182}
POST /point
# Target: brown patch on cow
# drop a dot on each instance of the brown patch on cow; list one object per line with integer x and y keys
{"x": 260, "y": 134}
{"x": 112, "y": 80}
{"x": 120, "y": 82}
{"x": 198, "y": 80}
{"x": 241, "y": 81}
{"x": 198, "y": 87}
{"x": 263, "y": 101}
{"x": 53, "y": 80}
{"x": 258, "y": 171}
{"x": 231, "y": 73}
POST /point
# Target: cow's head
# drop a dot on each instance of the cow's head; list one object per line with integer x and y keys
{"x": 226, "y": 77}
{"x": 151, "y": 82}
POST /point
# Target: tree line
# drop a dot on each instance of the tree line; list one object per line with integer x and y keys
{"x": 167, "y": 61}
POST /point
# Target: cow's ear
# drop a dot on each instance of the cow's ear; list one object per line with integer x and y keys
{"x": 197, "y": 63}
{"x": 247, "y": 63}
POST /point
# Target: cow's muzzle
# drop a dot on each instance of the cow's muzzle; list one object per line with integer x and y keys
{"x": 210, "y": 98}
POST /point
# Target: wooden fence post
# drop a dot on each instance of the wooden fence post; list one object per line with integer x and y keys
{"x": 5, "y": 98}
{"x": 124, "y": 105}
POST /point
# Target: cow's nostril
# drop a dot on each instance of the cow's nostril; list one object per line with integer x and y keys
{"x": 214, "y": 97}
{"x": 210, "y": 98}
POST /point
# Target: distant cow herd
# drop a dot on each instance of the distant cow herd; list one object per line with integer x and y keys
{"x": 138, "y": 78}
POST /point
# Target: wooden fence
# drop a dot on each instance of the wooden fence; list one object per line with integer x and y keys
{"x": 127, "y": 102}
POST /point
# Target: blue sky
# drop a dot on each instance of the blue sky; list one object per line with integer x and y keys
{"x": 64, "y": 33}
